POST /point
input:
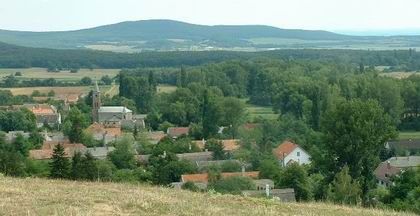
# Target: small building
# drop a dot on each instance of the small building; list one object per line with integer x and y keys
{"x": 289, "y": 152}
{"x": 393, "y": 166}
{"x": 104, "y": 134}
{"x": 175, "y": 132}
{"x": 204, "y": 177}
{"x": 45, "y": 114}
{"x": 114, "y": 114}
{"x": 100, "y": 152}
{"x": 47, "y": 150}
{"x": 11, "y": 135}
{"x": 155, "y": 137}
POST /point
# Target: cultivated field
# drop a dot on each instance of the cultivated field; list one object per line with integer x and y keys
{"x": 404, "y": 135}
{"x": 399, "y": 75}
{"x": 61, "y": 90}
{"x": 55, "y": 197}
{"x": 41, "y": 73}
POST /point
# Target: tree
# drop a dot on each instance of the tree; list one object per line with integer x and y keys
{"x": 233, "y": 185}
{"x": 74, "y": 125}
{"x": 216, "y": 146}
{"x": 295, "y": 176}
{"x": 60, "y": 165}
{"x": 106, "y": 80}
{"x": 355, "y": 132}
{"x": 86, "y": 81}
{"x": 211, "y": 115}
{"x": 233, "y": 114}
{"x": 344, "y": 190}
{"x": 123, "y": 155}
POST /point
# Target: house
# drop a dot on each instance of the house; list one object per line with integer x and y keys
{"x": 100, "y": 152}
{"x": 104, "y": 134}
{"x": 175, "y": 132}
{"x": 407, "y": 145}
{"x": 155, "y": 137}
{"x": 229, "y": 145}
{"x": 289, "y": 152}
{"x": 11, "y": 135}
{"x": 47, "y": 150}
{"x": 283, "y": 195}
{"x": 393, "y": 166}
{"x": 45, "y": 114}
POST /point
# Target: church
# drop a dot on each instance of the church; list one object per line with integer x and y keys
{"x": 114, "y": 116}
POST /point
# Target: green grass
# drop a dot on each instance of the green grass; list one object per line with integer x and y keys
{"x": 41, "y": 73}
{"x": 409, "y": 135}
{"x": 254, "y": 111}
{"x": 56, "y": 197}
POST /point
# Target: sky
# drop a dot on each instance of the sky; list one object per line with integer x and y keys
{"x": 345, "y": 16}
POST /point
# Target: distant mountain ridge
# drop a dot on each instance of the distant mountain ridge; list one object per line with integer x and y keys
{"x": 169, "y": 35}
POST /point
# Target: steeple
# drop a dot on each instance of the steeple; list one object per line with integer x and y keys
{"x": 96, "y": 102}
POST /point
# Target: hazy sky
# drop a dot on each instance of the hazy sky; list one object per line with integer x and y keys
{"x": 339, "y": 15}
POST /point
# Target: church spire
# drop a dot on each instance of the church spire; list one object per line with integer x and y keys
{"x": 96, "y": 86}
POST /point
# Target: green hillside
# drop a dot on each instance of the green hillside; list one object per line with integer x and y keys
{"x": 169, "y": 35}
{"x": 55, "y": 197}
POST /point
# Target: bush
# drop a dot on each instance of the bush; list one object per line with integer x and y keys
{"x": 190, "y": 186}
{"x": 233, "y": 185}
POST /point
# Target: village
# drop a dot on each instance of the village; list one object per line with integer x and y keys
{"x": 112, "y": 124}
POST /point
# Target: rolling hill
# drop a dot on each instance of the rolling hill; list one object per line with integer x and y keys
{"x": 168, "y": 35}
{"x": 54, "y": 197}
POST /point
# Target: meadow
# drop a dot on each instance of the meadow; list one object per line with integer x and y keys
{"x": 29, "y": 196}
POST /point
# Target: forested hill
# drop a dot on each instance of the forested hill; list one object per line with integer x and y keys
{"x": 168, "y": 35}
{"x": 12, "y": 56}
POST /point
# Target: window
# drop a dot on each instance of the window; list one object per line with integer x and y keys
{"x": 298, "y": 154}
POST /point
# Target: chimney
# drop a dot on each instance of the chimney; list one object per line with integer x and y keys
{"x": 388, "y": 165}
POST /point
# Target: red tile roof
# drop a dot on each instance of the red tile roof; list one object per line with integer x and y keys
{"x": 48, "y": 148}
{"x": 203, "y": 177}
{"x": 384, "y": 171}
{"x": 97, "y": 128}
{"x": 284, "y": 149}
{"x": 178, "y": 131}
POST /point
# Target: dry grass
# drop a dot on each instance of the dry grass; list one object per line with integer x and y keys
{"x": 41, "y": 73}
{"x": 55, "y": 197}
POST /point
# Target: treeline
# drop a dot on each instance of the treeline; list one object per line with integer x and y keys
{"x": 21, "y": 57}
{"x": 13, "y": 81}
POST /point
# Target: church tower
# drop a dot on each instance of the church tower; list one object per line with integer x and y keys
{"x": 96, "y": 102}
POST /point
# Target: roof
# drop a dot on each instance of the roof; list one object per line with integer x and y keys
{"x": 48, "y": 148}
{"x": 41, "y": 109}
{"x": 384, "y": 171}
{"x": 114, "y": 109}
{"x": 178, "y": 131}
{"x": 405, "y": 162}
{"x": 203, "y": 177}
{"x": 409, "y": 144}
{"x": 155, "y": 135}
{"x": 193, "y": 157}
{"x": 97, "y": 128}
{"x": 100, "y": 152}
{"x": 228, "y": 145}
{"x": 284, "y": 149}
{"x": 251, "y": 126}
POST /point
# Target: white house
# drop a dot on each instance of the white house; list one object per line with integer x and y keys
{"x": 288, "y": 152}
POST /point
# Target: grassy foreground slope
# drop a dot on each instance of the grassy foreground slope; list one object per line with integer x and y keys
{"x": 55, "y": 197}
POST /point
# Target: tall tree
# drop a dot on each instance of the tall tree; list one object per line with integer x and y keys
{"x": 60, "y": 165}
{"x": 344, "y": 190}
{"x": 355, "y": 132}
{"x": 75, "y": 124}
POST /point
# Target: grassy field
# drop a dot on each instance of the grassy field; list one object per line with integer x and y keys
{"x": 55, "y": 197}
{"x": 255, "y": 111}
{"x": 409, "y": 135}
{"x": 41, "y": 73}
